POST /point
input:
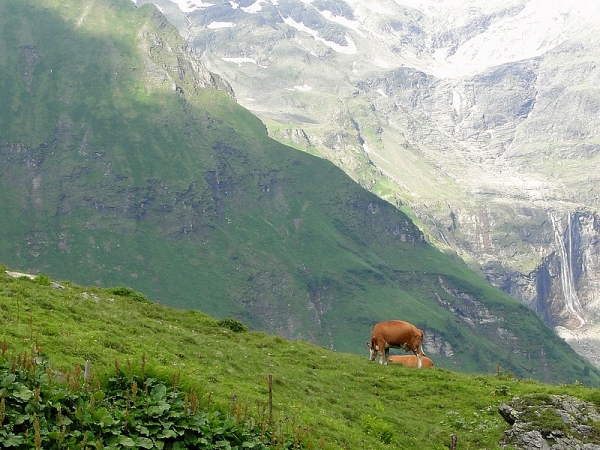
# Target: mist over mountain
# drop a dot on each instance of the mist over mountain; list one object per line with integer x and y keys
{"x": 483, "y": 118}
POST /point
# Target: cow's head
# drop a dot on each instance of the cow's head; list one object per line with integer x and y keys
{"x": 372, "y": 351}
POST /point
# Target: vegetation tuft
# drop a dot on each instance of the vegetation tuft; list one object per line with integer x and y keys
{"x": 234, "y": 325}
{"x": 128, "y": 292}
{"x": 44, "y": 409}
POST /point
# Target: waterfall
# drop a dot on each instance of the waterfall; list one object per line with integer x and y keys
{"x": 566, "y": 272}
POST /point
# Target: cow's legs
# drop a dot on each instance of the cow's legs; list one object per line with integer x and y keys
{"x": 380, "y": 348}
{"x": 387, "y": 354}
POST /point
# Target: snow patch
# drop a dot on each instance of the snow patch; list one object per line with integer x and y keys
{"x": 188, "y": 6}
{"x": 217, "y": 25}
{"x": 456, "y": 101}
{"x": 381, "y": 63}
{"x": 303, "y": 88}
{"x": 380, "y": 92}
{"x": 377, "y": 8}
{"x": 548, "y": 23}
{"x": 240, "y": 61}
{"x": 350, "y": 49}
{"x": 255, "y": 7}
{"x": 352, "y": 24}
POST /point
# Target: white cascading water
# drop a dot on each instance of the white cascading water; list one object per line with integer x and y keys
{"x": 566, "y": 273}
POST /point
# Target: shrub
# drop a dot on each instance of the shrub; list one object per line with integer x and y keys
{"x": 126, "y": 411}
{"x": 123, "y": 291}
{"x": 44, "y": 280}
{"x": 234, "y": 325}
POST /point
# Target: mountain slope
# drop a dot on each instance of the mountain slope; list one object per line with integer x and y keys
{"x": 322, "y": 399}
{"x": 125, "y": 162}
{"x": 482, "y": 117}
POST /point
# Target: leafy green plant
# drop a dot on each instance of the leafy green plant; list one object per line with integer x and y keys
{"x": 480, "y": 421}
{"x": 503, "y": 390}
{"x": 377, "y": 427}
{"x": 133, "y": 411}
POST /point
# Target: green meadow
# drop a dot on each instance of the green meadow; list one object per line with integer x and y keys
{"x": 300, "y": 395}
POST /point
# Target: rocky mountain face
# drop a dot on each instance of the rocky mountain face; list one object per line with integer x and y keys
{"x": 482, "y": 118}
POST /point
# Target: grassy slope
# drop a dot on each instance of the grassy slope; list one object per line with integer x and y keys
{"x": 341, "y": 399}
{"x": 111, "y": 178}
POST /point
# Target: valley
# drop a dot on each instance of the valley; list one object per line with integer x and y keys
{"x": 480, "y": 119}
{"x": 125, "y": 162}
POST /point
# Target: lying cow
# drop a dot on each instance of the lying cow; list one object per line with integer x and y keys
{"x": 410, "y": 360}
{"x": 395, "y": 334}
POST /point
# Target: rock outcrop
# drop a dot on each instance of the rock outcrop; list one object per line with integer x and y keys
{"x": 556, "y": 422}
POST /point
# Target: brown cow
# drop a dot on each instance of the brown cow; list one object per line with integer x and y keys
{"x": 395, "y": 334}
{"x": 410, "y": 360}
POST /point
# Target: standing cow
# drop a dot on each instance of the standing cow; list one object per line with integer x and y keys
{"x": 395, "y": 334}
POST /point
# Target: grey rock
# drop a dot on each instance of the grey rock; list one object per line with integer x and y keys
{"x": 529, "y": 426}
